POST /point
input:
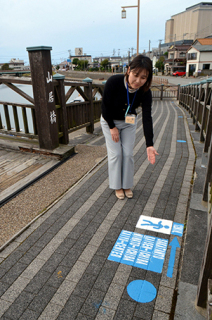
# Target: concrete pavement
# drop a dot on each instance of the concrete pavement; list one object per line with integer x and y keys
{"x": 59, "y": 268}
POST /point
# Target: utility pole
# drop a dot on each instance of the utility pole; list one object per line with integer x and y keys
{"x": 128, "y": 57}
{"x": 69, "y": 51}
{"x": 160, "y": 47}
{"x": 149, "y": 47}
{"x": 174, "y": 51}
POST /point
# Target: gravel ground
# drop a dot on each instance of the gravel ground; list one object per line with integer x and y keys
{"x": 18, "y": 212}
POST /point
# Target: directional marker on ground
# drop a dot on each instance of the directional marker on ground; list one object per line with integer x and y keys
{"x": 177, "y": 229}
{"x": 174, "y": 245}
{"x": 141, "y": 291}
{"x": 142, "y": 251}
{"x": 181, "y": 141}
{"x": 154, "y": 224}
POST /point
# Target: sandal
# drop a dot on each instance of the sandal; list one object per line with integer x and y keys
{"x": 119, "y": 194}
{"x": 128, "y": 193}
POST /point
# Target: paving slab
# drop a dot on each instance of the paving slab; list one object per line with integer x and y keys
{"x": 62, "y": 266}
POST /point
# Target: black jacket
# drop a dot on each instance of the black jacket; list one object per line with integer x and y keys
{"x": 114, "y": 105}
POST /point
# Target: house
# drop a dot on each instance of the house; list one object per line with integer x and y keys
{"x": 176, "y": 58}
{"x": 82, "y": 57}
{"x": 199, "y": 58}
{"x": 16, "y": 64}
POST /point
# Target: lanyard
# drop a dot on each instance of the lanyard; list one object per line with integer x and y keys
{"x": 128, "y": 101}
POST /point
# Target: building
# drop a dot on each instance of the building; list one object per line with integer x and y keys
{"x": 176, "y": 58}
{"x": 82, "y": 57}
{"x": 199, "y": 58}
{"x": 194, "y": 22}
{"x": 16, "y": 64}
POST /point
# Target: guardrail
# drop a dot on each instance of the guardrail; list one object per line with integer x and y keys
{"x": 165, "y": 91}
{"x": 79, "y": 113}
{"x": 20, "y": 119}
{"x": 196, "y": 98}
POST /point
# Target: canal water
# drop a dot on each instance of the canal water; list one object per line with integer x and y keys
{"x": 8, "y": 95}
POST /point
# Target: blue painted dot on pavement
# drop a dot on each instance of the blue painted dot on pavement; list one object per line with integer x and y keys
{"x": 141, "y": 291}
{"x": 182, "y": 141}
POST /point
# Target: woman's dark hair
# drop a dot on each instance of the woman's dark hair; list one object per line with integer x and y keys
{"x": 138, "y": 64}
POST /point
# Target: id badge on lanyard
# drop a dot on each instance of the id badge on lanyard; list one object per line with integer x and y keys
{"x": 129, "y": 118}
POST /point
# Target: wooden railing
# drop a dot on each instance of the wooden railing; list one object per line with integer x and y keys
{"x": 82, "y": 114}
{"x": 197, "y": 99}
{"x": 165, "y": 91}
{"x": 12, "y": 110}
{"x": 52, "y": 116}
{"x": 79, "y": 114}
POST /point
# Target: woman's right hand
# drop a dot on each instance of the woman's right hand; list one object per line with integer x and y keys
{"x": 114, "y": 134}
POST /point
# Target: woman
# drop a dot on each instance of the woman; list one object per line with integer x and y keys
{"x": 122, "y": 95}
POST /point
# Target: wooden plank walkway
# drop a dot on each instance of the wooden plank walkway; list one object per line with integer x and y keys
{"x": 17, "y": 169}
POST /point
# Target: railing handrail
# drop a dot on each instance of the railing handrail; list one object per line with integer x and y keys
{"x": 197, "y": 99}
{"x": 17, "y": 104}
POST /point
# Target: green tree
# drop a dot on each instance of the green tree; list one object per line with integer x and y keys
{"x": 160, "y": 64}
{"x": 82, "y": 64}
{"x": 5, "y": 66}
{"x": 104, "y": 63}
{"x": 75, "y": 61}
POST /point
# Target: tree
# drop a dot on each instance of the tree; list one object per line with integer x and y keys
{"x": 104, "y": 63}
{"x": 160, "y": 64}
{"x": 5, "y": 66}
{"x": 82, "y": 64}
{"x": 75, "y": 61}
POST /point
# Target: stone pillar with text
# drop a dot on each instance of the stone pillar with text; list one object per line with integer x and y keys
{"x": 43, "y": 90}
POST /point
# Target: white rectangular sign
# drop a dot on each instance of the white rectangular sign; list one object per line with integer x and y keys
{"x": 155, "y": 224}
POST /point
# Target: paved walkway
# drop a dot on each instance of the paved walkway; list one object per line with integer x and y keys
{"x": 59, "y": 268}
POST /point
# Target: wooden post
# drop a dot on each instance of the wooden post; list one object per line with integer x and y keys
{"x": 208, "y": 177}
{"x": 204, "y": 113}
{"x": 60, "y": 100}
{"x": 41, "y": 73}
{"x": 198, "y": 104}
{"x": 88, "y": 92}
{"x": 195, "y": 103}
{"x": 178, "y": 92}
{"x": 161, "y": 92}
{"x": 206, "y": 270}
{"x": 209, "y": 129}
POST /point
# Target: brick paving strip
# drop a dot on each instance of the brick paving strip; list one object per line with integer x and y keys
{"x": 61, "y": 271}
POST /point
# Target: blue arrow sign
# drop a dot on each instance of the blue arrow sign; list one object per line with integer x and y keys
{"x": 174, "y": 244}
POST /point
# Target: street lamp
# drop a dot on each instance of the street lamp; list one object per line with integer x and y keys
{"x": 123, "y": 15}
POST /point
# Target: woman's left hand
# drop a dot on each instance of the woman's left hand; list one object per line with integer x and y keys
{"x": 151, "y": 153}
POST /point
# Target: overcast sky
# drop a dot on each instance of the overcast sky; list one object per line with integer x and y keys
{"x": 94, "y": 25}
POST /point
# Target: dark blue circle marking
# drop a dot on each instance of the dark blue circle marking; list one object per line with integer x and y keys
{"x": 141, "y": 291}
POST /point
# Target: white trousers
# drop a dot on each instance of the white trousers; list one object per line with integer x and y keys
{"x": 120, "y": 154}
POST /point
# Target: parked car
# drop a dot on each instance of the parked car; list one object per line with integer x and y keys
{"x": 179, "y": 73}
